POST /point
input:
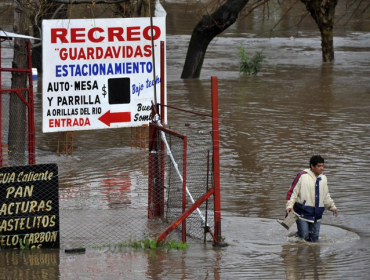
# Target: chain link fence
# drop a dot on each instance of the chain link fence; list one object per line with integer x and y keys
{"x": 99, "y": 186}
{"x": 15, "y": 110}
{"x": 181, "y": 173}
{"x": 103, "y": 189}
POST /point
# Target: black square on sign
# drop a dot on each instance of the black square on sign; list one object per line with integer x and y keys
{"x": 119, "y": 91}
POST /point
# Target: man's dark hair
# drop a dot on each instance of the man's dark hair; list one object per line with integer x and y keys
{"x": 315, "y": 160}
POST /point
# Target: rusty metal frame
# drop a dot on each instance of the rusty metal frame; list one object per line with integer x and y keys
{"x": 215, "y": 190}
{"x": 30, "y": 104}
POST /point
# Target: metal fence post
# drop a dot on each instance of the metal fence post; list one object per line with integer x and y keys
{"x": 31, "y": 111}
{"x": 216, "y": 159}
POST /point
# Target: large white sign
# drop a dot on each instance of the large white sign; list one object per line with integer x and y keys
{"x": 98, "y": 73}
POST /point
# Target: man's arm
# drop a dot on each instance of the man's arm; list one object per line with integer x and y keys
{"x": 330, "y": 205}
{"x": 293, "y": 193}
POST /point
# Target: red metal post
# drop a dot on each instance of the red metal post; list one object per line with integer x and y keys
{"x": 161, "y": 183}
{"x": 216, "y": 159}
{"x": 29, "y": 103}
{"x": 31, "y": 111}
{"x": 1, "y": 128}
{"x": 162, "y": 71}
{"x": 25, "y": 70}
{"x": 185, "y": 149}
{"x": 155, "y": 184}
{"x": 190, "y": 210}
{"x": 163, "y": 66}
{"x": 150, "y": 167}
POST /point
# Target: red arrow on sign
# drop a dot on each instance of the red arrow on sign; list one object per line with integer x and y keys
{"x": 109, "y": 117}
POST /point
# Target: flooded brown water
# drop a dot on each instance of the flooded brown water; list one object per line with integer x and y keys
{"x": 270, "y": 125}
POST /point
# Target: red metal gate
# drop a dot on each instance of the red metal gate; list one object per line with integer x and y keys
{"x": 28, "y": 101}
{"x": 192, "y": 173}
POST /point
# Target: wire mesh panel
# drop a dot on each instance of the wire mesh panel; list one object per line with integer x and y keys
{"x": 180, "y": 174}
{"x": 15, "y": 137}
{"x": 173, "y": 183}
{"x": 102, "y": 182}
{"x": 16, "y": 107}
{"x": 103, "y": 190}
{"x": 103, "y": 185}
{"x": 199, "y": 178}
{"x": 167, "y": 174}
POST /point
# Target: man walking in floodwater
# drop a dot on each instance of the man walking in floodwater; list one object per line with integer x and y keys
{"x": 308, "y": 197}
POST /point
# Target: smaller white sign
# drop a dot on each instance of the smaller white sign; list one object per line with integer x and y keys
{"x": 98, "y": 73}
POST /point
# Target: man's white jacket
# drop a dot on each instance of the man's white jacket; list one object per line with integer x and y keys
{"x": 309, "y": 196}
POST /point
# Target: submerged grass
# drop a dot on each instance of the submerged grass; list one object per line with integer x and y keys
{"x": 146, "y": 243}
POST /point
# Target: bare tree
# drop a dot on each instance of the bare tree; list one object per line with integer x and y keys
{"x": 17, "y": 109}
{"x": 211, "y": 25}
{"x": 323, "y": 12}
{"x": 208, "y": 28}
